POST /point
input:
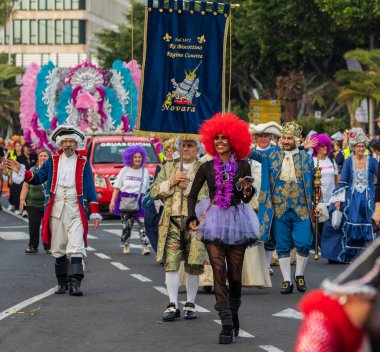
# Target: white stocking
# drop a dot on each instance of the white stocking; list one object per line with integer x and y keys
{"x": 300, "y": 264}
{"x": 192, "y": 283}
{"x": 268, "y": 256}
{"x": 285, "y": 268}
{"x": 172, "y": 285}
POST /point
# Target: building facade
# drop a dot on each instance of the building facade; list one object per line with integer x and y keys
{"x": 62, "y": 31}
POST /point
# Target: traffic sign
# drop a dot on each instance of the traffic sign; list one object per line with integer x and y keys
{"x": 265, "y": 108}
{"x": 264, "y": 102}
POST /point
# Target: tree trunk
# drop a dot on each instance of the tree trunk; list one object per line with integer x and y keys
{"x": 353, "y": 121}
{"x": 290, "y": 110}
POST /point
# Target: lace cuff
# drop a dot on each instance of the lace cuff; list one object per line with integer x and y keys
{"x": 338, "y": 196}
{"x": 96, "y": 216}
{"x": 19, "y": 177}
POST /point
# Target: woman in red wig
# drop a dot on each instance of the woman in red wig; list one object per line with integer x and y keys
{"x": 225, "y": 222}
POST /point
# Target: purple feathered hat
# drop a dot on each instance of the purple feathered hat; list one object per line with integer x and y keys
{"x": 129, "y": 152}
{"x": 323, "y": 139}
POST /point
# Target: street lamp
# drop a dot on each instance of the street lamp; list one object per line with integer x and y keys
{"x": 10, "y": 39}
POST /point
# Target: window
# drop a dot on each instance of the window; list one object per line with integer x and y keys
{"x": 20, "y": 32}
{"x": 58, "y": 32}
{"x": 49, "y": 4}
{"x": 74, "y": 32}
{"x": 22, "y": 5}
{"x": 33, "y": 31}
{"x": 58, "y": 4}
{"x": 42, "y": 4}
{"x": 67, "y": 4}
{"x": 45, "y": 32}
{"x": 73, "y": 4}
{"x": 33, "y": 4}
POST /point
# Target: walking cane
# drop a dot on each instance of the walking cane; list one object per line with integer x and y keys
{"x": 183, "y": 225}
{"x": 317, "y": 197}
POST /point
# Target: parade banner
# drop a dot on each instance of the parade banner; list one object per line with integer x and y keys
{"x": 183, "y": 79}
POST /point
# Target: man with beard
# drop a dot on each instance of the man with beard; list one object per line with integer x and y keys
{"x": 264, "y": 133}
{"x": 286, "y": 202}
{"x": 70, "y": 198}
{"x": 172, "y": 186}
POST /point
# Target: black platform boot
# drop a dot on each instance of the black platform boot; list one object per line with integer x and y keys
{"x": 226, "y": 336}
{"x": 62, "y": 279}
{"x": 75, "y": 274}
{"x": 235, "y": 305}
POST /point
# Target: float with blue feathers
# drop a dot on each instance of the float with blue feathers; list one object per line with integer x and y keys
{"x": 88, "y": 96}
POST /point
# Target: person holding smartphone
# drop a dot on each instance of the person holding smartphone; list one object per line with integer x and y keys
{"x": 226, "y": 222}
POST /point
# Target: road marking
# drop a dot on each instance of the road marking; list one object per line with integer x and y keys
{"x": 162, "y": 290}
{"x": 102, "y": 256}
{"x": 120, "y": 266}
{"x": 141, "y": 278}
{"x": 91, "y": 237}
{"x": 14, "y": 227}
{"x": 25, "y": 303}
{"x": 90, "y": 249}
{"x": 271, "y": 348}
{"x": 14, "y": 236}
{"x": 289, "y": 313}
{"x": 242, "y": 333}
{"x": 198, "y": 308}
{"x": 134, "y": 235}
{"x": 17, "y": 216}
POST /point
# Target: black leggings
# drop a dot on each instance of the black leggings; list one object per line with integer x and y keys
{"x": 35, "y": 216}
{"x": 234, "y": 256}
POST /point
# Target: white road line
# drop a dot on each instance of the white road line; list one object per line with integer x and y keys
{"x": 162, "y": 290}
{"x": 198, "y": 308}
{"x": 17, "y": 307}
{"x": 242, "y": 333}
{"x": 289, "y": 313}
{"x": 120, "y": 266}
{"x": 134, "y": 235}
{"x": 14, "y": 227}
{"x": 141, "y": 278}
{"x": 17, "y": 216}
{"x": 90, "y": 249}
{"x": 271, "y": 348}
{"x": 91, "y": 237}
{"x": 14, "y": 236}
{"x": 102, "y": 256}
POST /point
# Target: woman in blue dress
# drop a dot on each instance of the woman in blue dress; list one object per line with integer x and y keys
{"x": 355, "y": 197}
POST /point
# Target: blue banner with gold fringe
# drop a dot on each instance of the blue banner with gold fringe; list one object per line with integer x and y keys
{"x": 183, "y": 79}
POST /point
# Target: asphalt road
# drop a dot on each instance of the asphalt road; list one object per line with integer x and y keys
{"x": 124, "y": 298}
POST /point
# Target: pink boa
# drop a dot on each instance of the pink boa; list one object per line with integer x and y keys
{"x": 28, "y": 107}
{"x": 135, "y": 71}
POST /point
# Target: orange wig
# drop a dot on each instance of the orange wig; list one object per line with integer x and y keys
{"x": 233, "y": 128}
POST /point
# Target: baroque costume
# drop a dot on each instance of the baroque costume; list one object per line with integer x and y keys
{"x": 175, "y": 246}
{"x": 286, "y": 205}
{"x": 70, "y": 198}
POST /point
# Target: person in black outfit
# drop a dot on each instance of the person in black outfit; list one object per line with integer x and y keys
{"x": 2, "y": 169}
{"x": 228, "y": 223}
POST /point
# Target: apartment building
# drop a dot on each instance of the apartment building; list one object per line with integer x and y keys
{"x": 62, "y": 31}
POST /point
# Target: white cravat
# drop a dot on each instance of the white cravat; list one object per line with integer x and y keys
{"x": 66, "y": 171}
{"x": 288, "y": 173}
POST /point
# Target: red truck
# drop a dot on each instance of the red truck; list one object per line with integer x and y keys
{"x": 104, "y": 154}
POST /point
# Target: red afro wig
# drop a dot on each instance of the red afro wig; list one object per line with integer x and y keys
{"x": 233, "y": 128}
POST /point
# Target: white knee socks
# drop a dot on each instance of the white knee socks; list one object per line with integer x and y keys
{"x": 268, "y": 256}
{"x": 172, "y": 285}
{"x": 285, "y": 268}
{"x": 192, "y": 283}
{"x": 300, "y": 265}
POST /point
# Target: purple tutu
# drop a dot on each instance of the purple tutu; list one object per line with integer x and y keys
{"x": 139, "y": 213}
{"x": 235, "y": 225}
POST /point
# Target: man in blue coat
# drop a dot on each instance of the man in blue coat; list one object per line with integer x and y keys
{"x": 286, "y": 202}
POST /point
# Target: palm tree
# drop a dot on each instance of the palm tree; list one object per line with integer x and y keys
{"x": 5, "y": 8}
{"x": 357, "y": 85}
{"x": 9, "y": 97}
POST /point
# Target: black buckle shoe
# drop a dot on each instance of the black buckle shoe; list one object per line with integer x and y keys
{"x": 171, "y": 313}
{"x": 286, "y": 288}
{"x": 226, "y": 336}
{"x": 61, "y": 289}
{"x": 190, "y": 312}
{"x": 300, "y": 283}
